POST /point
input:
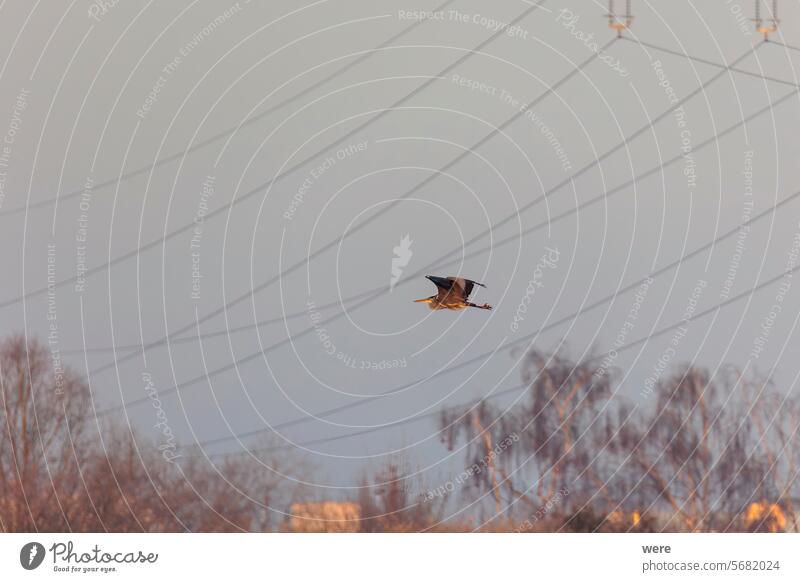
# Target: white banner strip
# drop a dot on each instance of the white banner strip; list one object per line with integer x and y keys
{"x": 401, "y": 557}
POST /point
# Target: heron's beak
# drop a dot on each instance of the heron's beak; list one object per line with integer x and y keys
{"x": 425, "y": 300}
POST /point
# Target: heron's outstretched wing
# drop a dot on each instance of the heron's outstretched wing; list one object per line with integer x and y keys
{"x": 465, "y": 284}
{"x": 441, "y": 282}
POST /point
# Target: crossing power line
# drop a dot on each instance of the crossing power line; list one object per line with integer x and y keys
{"x": 309, "y": 330}
{"x": 231, "y": 130}
{"x": 165, "y": 339}
{"x": 496, "y": 244}
{"x": 517, "y": 388}
{"x": 530, "y": 336}
{"x": 279, "y": 177}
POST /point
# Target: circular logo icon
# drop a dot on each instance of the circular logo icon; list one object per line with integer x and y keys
{"x": 31, "y": 555}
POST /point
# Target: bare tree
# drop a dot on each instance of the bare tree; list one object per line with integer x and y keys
{"x": 692, "y": 452}
{"x": 42, "y": 438}
{"x": 394, "y": 501}
{"x": 775, "y": 417}
{"x": 58, "y": 474}
{"x": 556, "y": 431}
{"x": 707, "y": 454}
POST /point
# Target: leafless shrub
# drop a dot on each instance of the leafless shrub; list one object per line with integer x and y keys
{"x": 60, "y": 471}
{"x": 707, "y": 454}
{"x": 558, "y": 426}
{"x": 391, "y": 502}
{"x": 695, "y": 455}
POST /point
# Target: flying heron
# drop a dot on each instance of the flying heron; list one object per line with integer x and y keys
{"x": 453, "y": 293}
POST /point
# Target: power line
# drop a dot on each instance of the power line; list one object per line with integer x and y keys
{"x": 709, "y": 62}
{"x": 784, "y": 45}
{"x": 556, "y": 323}
{"x": 231, "y": 130}
{"x": 336, "y": 142}
{"x": 308, "y": 330}
{"x": 421, "y": 184}
{"x": 370, "y": 430}
{"x": 501, "y": 242}
{"x": 691, "y": 254}
{"x": 139, "y": 348}
{"x": 532, "y": 335}
{"x": 517, "y": 388}
{"x": 609, "y": 152}
{"x": 335, "y": 242}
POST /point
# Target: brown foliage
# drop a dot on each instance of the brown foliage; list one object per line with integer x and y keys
{"x": 705, "y": 453}
{"x": 391, "y": 503}
{"x": 59, "y": 471}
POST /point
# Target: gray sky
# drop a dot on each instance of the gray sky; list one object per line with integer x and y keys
{"x": 92, "y": 97}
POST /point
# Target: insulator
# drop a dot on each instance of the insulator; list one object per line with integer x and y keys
{"x": 622, "y": 22}
{"x": 766, "y": 26}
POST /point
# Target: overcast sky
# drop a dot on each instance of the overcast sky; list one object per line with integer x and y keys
{"x": 89, "y": 94}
